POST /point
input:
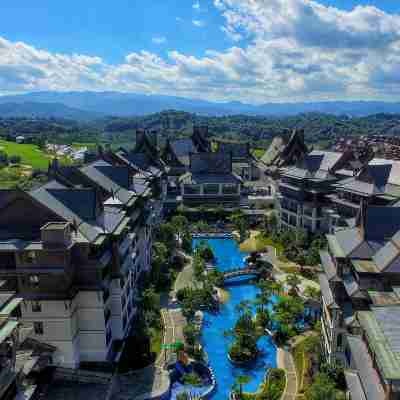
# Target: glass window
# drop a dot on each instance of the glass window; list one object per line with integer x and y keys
{"x": 36, "y": 307}
{"x": 38, "y": 328}
{"x": 211, "y": 189}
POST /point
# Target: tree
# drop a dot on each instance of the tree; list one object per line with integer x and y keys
{"x": 323, "y": 388}
{"x": 242, "y": 380}
{"x": 15, "y": 159}
{"x": 180, "y": 224}
{"x": 3, "y": 158}
{"x": 263, "y": 298}
{"x": 150, "y": 299}
{"x": 241, "y": 224}
{"x": 312, "y": 293}
{"x": 293, "y": 281}
{"x": 167, "y": 235}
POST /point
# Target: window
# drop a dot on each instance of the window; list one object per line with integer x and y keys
{"x": 36, "y": 306}
{"x": 38, "y": 328}
{"x": 34, "y": 280}
{"x": 29, "y": 257}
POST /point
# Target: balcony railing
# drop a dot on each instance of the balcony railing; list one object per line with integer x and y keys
{"x": 124, "y": 246}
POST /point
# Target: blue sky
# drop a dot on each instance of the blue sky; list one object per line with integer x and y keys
{"x": 248, "y": 50}
{"x": 112, "y": 29}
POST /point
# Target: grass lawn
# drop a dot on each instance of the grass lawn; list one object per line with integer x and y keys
{"x": 301, "y": 362}
{"x": 155, "y": 340}
{"x": 259, "y": 242}
{"x": 30, "y": 154}
{"x": 258, "y": 153}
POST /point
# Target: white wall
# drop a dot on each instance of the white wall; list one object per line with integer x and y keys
{"x": 76, "y": 328}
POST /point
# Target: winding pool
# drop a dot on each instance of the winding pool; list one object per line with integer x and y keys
{"x": 228, "y": 256}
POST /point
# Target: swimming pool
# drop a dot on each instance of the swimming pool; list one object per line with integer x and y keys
{"x": 226, "y": 251}
{"x": 215, "y": 342}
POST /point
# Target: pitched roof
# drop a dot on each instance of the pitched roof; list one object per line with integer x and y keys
{"x": 237, "y": 149}
{"x": 380, "y": 176}
{"x": 78, "y": 205}
{"x": 354, "y": 385}
{"x": 115, "y": 180}
{"x": 363, "y": 363}
{"x": 318, "y": 165}
{"x": 381, "y": 329}
{"x": 211, "y": 163}
{"x": 326, "y": 291}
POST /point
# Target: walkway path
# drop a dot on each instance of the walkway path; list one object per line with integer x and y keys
{"x": 280, "y": 275}
{"x": 285, "y": 361}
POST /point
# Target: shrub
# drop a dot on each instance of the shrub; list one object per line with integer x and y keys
{"x": 15, "y": 159}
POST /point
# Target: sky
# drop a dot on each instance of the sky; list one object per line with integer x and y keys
{"x": 254, "y": 51}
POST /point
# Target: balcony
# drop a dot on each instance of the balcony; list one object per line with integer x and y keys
{"x": 124, "y": 246}
{"x": 289, "y": 207}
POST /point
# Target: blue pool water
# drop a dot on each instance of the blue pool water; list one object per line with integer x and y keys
{"x": 216, "y": 344}
{"x": 226, "y": 251}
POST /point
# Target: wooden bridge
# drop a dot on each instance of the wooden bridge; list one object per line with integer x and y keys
{"x": 245, "y": 271}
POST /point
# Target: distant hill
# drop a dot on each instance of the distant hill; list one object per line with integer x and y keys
{"x": 45, "y": 110}
{"x": 120, "y": 104}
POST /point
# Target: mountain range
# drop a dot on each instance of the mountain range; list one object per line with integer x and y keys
{"x": 93, "y": 105}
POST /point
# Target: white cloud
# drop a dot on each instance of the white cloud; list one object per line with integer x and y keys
{"x": 159, "y": 39}
{"x": 290, "y": 50}
{"x": 196, "y": 6}
{"x": 199, "y": 23}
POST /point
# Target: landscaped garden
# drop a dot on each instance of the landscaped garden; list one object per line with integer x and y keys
{"x": 237, "y": 338}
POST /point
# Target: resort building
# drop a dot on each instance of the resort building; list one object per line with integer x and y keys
{"x": 361, "y": 303}
{"x": 302, "y": 200}
{"x": 75, "y": 250}
{"x": 21, "y": 358}
{"x": 211, "y": 181}
{"x": 243, "y": 162}
{"x": 284, "y": 150}
{"x": 377, "y": 183}
{"x": 176, "y": 154}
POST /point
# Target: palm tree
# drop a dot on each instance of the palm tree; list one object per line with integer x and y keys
{"x": 293, "y": 281}
{"x": 242, "y": 380}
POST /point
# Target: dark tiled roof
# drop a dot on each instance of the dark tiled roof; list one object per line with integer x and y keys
{"x": 100, "y": 170}
{"x": 211, "y": 163}
{"x": 195, "y": 179}
{"x": 326, "y": 291}
{"x": 113, "y": 179}
{"x": 77, "y": 205}
{"x": 238, "y": 150}
{"x": 363, "y": 363}
{"x": 315, "y": 165}
{"x": 328, "y": 265}
{"x": 354, "y": 385}
{"x": 183, "y": 147}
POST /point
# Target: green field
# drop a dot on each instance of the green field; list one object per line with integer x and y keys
{"x": 258, "y": 153}
{"x": 30, "y": 154}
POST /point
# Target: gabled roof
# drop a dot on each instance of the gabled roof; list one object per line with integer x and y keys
{"x": 79, "y": 206}
{"x": 317, "y": 165}
{"x": 177, "y": 152}
{"x": 114, "y": 180}
{"x": 368, "y": 239}
{"x": 239, "y": 151}
{"x": 381, "y": 329}
{"x": 285, "y": 150}
{"x": 363, "y": 363}
{"x": 211, "y": 163}
{"x": 379, "y": 177}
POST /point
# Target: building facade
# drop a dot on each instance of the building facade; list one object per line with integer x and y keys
{"x": 360, "y": 302}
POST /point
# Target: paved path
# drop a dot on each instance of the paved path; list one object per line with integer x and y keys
{"x": 285, "y": 361}
{"x": 280, "y": 275}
